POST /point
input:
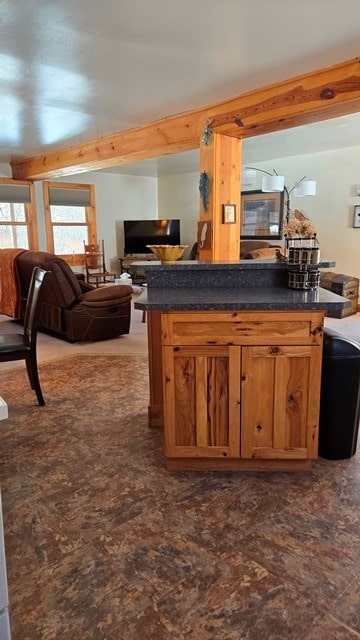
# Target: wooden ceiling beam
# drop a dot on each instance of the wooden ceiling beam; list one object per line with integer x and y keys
{"x": 316, "y": 96}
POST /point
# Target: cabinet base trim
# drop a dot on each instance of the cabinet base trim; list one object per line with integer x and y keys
{"x": 204, "y": 464}
{"x": 155, "y": 415}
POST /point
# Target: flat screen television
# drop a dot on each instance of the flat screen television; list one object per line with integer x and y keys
{"x": 139, "y": 233}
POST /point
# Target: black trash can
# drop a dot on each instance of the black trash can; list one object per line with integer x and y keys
{"x": 340, "y": 397}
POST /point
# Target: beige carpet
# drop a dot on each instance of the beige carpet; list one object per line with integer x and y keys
{"x": 135, "y": 343}
{"x": 348, "y": 327}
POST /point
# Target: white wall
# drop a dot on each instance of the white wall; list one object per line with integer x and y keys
{"x": 337, "y": 173}
{"x": 179, "y": 198}
{"x": 5, "y": 170}
{"x": 332, "y": 209}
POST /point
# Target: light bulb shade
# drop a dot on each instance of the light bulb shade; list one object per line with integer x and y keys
{"x": 305, "y": 188}
{"x": 248, "y": 176}
{"x": 272, "y": 183}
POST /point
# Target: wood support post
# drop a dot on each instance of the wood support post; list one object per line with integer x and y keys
{"x": 221, "y": 161}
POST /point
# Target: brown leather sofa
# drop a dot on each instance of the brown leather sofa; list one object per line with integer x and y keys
{"x": 72, "y": 309}
{"x": 249, "y": 250}
{"x": 257, "y": 249}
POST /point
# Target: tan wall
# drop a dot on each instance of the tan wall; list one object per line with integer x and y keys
{"x": 332, "y": 209}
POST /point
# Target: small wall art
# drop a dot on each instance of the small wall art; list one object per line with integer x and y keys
{"x": 204, "y": 234}
{"x": 229, "y": 213}
{"x": 356, "y": 222}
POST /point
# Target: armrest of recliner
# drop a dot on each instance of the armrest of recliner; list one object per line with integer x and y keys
{"x": 86, "y": 286}
{"x": 116, "y": 293}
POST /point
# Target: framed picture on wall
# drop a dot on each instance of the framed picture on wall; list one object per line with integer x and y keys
{"x": 229, "y": 213}
{"x": 356, "y": 222}
{"x": 261, "y": 215}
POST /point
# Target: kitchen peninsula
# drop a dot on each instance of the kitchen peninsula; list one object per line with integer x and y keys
{"x": 235, "y": 364}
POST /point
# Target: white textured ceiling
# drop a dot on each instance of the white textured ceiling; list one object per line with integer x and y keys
{"x": 74, "y": 70}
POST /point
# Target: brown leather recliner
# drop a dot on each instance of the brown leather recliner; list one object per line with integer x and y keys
{"x": 71, "y": 309}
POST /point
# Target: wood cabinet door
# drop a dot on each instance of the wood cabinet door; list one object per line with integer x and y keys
{"x": 280, "y": 399}
{"x": 202, "y": 401}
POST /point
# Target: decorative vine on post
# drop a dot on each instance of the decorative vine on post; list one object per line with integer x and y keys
{"x": 207, "y": 133}
{"x": 204, "y": 188}
{"x": 204, "y": 183}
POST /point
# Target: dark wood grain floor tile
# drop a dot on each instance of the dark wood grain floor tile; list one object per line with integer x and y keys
{"x": 162, "y": 547}
{"x": 328, "y": 628}
{"x": 104, "y": 543}
{"x": 313, "y": 555}
{"x": 236, "y": 600}
{"x": 347, "y": 608}
{"x": 81, "y": 597}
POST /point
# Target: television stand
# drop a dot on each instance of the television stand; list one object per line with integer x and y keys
{"x": 137, "y": 275}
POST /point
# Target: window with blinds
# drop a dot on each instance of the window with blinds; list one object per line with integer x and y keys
{"x": 18, "y": 224}
{"x": 70, "y": 218}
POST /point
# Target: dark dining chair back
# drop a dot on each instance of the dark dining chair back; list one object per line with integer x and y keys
{"x": 22, "y": 346}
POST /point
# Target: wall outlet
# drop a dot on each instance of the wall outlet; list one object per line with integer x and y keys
{"x": 3, "y": 409}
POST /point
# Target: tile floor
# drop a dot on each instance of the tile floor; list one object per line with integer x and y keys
{"x": 104, "y": 543}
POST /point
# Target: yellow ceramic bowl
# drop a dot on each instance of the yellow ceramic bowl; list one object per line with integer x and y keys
{"x": 168, "y": 253}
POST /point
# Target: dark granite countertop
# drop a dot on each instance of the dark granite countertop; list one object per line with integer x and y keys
{"x": 209, "y": 274}
{"x": 225, "y": 265}
{"x": 231, "y": 286}
{"x": 246, "y": 299}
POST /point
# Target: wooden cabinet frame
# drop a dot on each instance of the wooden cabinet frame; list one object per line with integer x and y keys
{"x": 202, "y": 401}
{"x": 270, "y": 365}
{"x": 280, "y": 402}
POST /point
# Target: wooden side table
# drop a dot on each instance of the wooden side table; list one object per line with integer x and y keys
{"x": 137, "y": 276}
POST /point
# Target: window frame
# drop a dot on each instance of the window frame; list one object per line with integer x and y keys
{"x": 30, "y": 213}
{"x": 90, "y": 218}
